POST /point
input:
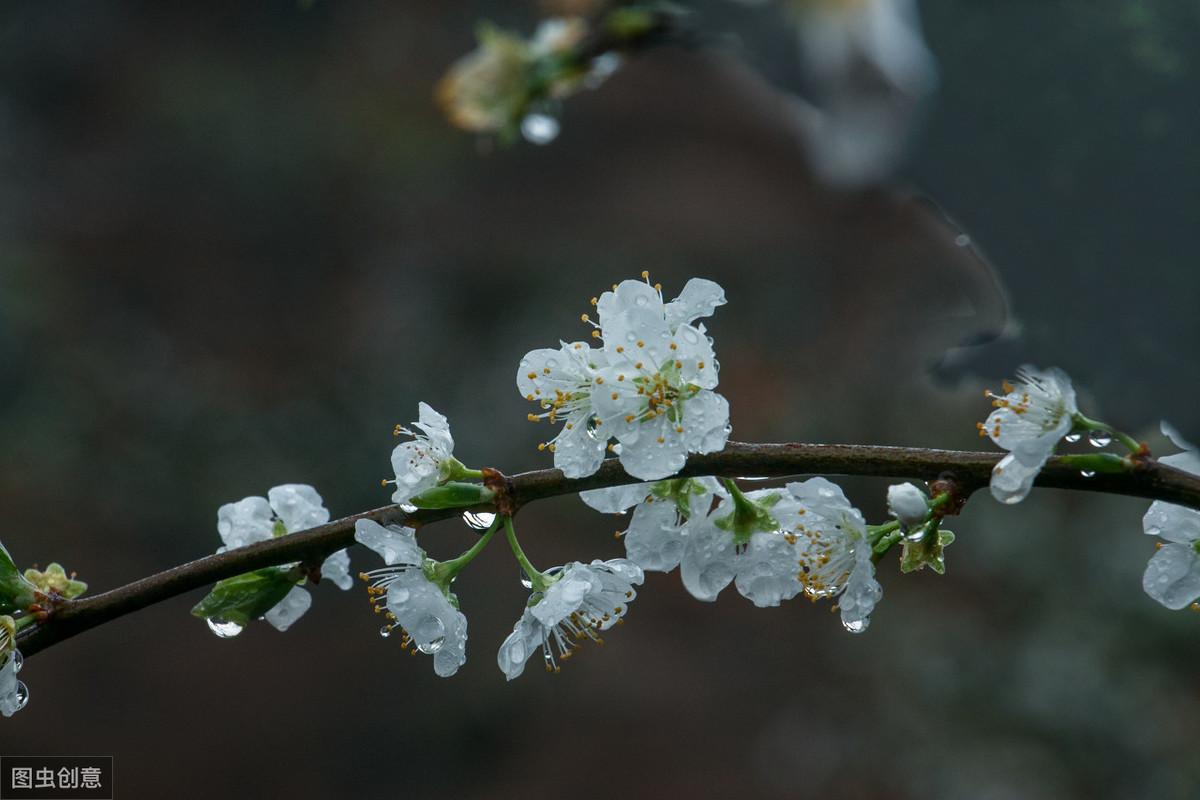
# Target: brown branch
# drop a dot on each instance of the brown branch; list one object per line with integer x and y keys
{"x": 971, "y": 471}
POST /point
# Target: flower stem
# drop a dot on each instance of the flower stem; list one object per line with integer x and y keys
{"x": 456, "y": 565}
{"x": 540, "y": 584}
{"x": 1087, "y": 424}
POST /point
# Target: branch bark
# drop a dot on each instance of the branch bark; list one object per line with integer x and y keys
{"x": 971, "y": 471}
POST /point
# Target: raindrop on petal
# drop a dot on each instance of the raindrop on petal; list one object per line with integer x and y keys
{"x": 22, "y": 696}
{"x": 855, "y": 626}
{"x": 432, "y": 646}
{"x": 18, "y": 661}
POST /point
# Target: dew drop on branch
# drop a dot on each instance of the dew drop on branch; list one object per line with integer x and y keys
{"x": 1100, "y": 439}
{"x": 1072, "y": 438}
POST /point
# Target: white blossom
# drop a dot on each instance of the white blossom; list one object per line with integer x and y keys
{"x": 286, "y": 509}
{"x": 1029, "y": 420}
{"x": 1173, "y": 575}
{"x": 560, "y": 382}
{"x": 427, "y": 460}
{"x": 583, "y": 601}
{"x": 908, "y": 504}
{"x": 650, "y": 387}
{"x": 835, "y": 558}
{"x": 427, "y": 614}
{"x": 765, "y": 568}
{"x": 655, "y": 395}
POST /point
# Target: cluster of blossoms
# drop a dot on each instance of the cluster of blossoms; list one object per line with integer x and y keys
{"x": 649, "y": 386}
{"x": 1033, "y": 416}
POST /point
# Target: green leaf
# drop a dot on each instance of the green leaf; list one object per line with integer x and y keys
{"x": 16, "y": 592}
{"x": 247, "y": 597}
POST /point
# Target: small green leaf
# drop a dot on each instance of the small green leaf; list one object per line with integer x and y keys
{"x": 247, "y": 597}
{"x": 16, "y": 592}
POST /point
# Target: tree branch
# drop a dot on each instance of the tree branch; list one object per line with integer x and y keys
{"x": 970, "y": 470}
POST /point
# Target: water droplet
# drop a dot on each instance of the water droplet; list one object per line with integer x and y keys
{"x": 22, "y": 695}
{"x": 408, "y": 508}
{"x": 385, "y": 631}
{"x": 962, "y": 240}
{"x": 432, "y": 646}
{"x": 429, "y": 633}
{"x": 223, "y": 628}
{"x": 1100, "y": 439}
{"x": 528, "y": 584}
{"x": 1072, "y": 438}
{"x": 855, "y": 626}
{"x": 826, "y": 492}
{"x": 1087, "y": 473}
{"x": 480, "y": 521}
{"x": 916, "y": 534}
{"x": 18, "y": 661}
{"x": 398, "y": 595}
{"x": 539, "y": 128}
{"x": 640, "y": 300}
{"x": 552, "y": 363}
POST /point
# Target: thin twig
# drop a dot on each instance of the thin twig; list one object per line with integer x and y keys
{"x": 971, "y": 470}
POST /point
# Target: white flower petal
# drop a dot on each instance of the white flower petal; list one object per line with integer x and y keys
{"x": 699, "y": 298}
{"x": 1173, "y": 576}
{"x": 617, "y": 499}
{"x": 1174, "y": 523}
{"x": 336, "y": 569}
{"x": 659, "y": 451}
{"x": 291, "y": 608}
{"x": 1012, "y": 479}
{"x": 862, "y": 593}
{"x": 706, "y": 423}
{"x": 767, "y": 570}
{"x": 417, "y": 469}
{"x": 245, "y": 522}
{"x": 708, "y": 562}
{"x": 436, "y": 427}
{"x": 516, "y": 649}
{"x": 695, "y": 358}
{"x": 299, "y": 506}
{"x": 655, "y": 536}
{"x": 578, "y": 450}
{"x": 396, "y": 545}
{"x": 10, "y": 694}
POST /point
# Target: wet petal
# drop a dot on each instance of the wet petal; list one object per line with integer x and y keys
{"x": 291, "y": 608}
{"x": 1173, "y": 576}
{"x": 299, "y": 506}
{"x": 396, "y": 545}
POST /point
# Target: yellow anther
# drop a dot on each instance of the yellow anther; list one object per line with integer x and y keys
{"x": 700, "y": 365}
{"x": 532, "y": 417}
{"x": 531, "y": 376}
{"x": 595, "y": 334}
{"x": 638, "y": 365}
{"x": 594, "y": 301}
{"x": 646, "y": 274}
{"x": 621, "y": 377}
{"x": 661, "y": 440}
{"x": 546, "y": 370}
{"x": 674, "y": 346}
{"x": 583, "y": 317}
{"x": 640, "y": 343}
{"x": 541, "y": 445}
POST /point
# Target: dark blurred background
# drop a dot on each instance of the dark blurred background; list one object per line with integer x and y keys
{"x": 238, "y": 243}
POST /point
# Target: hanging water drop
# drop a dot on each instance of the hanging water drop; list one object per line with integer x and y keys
{"x": 22, "y": 696}
{"x": 1087, "y": 473}
{"x": 855, "y": 626}
{"x": 915, "y": 534}
{"x": 1100, "y": 438}
{"x": 1072, "y": 438}
{"x": 432, "y": 646}
{"x": 539, "y": 128}
{"x": 385, "y": 631}
{"x": 408, "y": 508}
{"x": 18, "y": 661}
{"x": 528, "y": 584}
{"x": 224, "y": 629}
{"x": 480, "y": 521}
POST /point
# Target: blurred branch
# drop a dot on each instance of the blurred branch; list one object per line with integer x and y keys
{"x": 970, "y": 471}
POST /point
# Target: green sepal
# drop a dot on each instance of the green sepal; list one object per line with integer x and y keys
{"x": 749, "y": 517}
{"x": 453, "y": 495}
{"x": 16, "y": 592}
{"x": 246, "y": 597}
{"x": 928, "y": 552}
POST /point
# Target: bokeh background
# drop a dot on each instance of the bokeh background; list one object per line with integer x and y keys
{"x": 238, "y": 243}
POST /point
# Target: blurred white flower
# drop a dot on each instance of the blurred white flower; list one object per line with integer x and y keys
{"x": 1029, "y": 420}
{"x": 835, "y": 558}
{"x": 583, "y": 601}
{"x": 286, "y": 509}
{"x": 869, "y": 71}
{"x": 1173, "y": 574}
{"x": 426, "y": 613}
{"x": 427, "y": 460}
